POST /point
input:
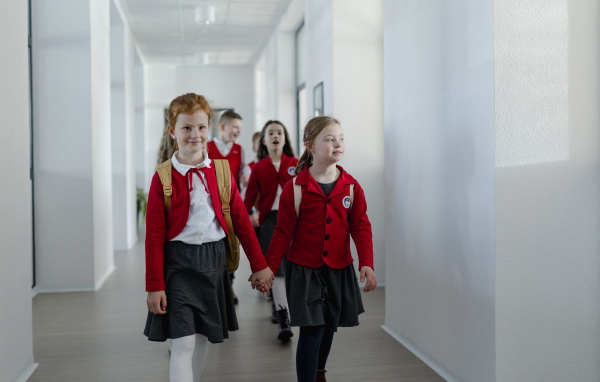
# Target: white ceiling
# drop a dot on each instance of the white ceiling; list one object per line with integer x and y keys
{"x": 167, "y": 33}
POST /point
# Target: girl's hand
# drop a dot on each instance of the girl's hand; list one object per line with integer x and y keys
{"x": 265, "y": 276}
{"x": 262, "y": 287}
{"x": 370, "y": 275}
{"x": 155, "y": 300}
{"x": 254, "y": 220}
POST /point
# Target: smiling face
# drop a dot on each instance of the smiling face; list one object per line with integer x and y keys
{"x": 231, "y": 130}
{"x": 191, "y": 132}
{"x": 274, "y": 137}
{"x": 328, "y": 147}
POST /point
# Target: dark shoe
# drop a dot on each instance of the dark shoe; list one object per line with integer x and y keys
{"x": 285, "y": 329}
{"x": 274, "y": 314}
{"x": 321, "y": 376}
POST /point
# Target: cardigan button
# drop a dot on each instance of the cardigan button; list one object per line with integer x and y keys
{"x": 325, "y": 254}
{"x": 329, "y": 220}
{"x": 326, "y": 237}
{"x": 277, "y": 178}
{"x": 328, "y": 201}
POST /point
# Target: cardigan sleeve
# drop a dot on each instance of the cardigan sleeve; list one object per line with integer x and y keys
{"x": 244, "y": 230}
{"x": 360, "y": 228}
{"x": 285, "y": 229}
{"x": 252, "y": 191}
{"x": 156, "y": 233}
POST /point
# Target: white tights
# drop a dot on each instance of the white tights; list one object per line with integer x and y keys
{"x": 187, "y": 358}
{"x": 278, "y": 290}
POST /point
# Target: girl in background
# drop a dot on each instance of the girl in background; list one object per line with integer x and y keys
{"x": 275, "y": 168}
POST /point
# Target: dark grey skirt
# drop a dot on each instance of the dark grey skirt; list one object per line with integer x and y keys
{"x": 199, "y": 295}
{"x": 266, "y": 234}
{"x": 323, "y": 296}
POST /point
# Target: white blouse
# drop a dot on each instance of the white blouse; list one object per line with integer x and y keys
{"x": 202, "y": 225}
{"x": 275, "y": 206}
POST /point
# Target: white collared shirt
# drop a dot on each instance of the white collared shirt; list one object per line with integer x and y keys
{"x": 279, "y": 189}
{"x": 202, "y": 225}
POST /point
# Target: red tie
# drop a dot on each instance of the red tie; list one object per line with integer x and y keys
{"x": 190, "y": 175}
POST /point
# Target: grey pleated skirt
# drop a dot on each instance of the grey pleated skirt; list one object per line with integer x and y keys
{"x": 266, "y": 234}
{"x": 323, "y": 296}
{"x": 199, "y": 295}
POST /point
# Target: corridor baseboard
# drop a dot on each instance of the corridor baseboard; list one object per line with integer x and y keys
{"x": 442, "y": 370}
{"x": 104, "y": 277}
{"x": 81, "y": 288}
{"x": 26, "y": 372}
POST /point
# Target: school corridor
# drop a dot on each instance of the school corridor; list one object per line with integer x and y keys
{"x": 472, "y": 126}
{"x": 98, "y": 337}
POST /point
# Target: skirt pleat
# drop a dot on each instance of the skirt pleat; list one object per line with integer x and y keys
{"x": 323, "y": 296}
{"x": 199, "y": 294}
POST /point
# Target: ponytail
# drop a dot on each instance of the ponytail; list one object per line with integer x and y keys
{"x": 305, "y": 160}
{"x": 312, "y": 129}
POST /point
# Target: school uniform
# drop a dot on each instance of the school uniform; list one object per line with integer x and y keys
{"x": 185, "y": 254}
{"x": 269, "y": 182}
{"x": 269, "y": 178}
{"x": 231, "y": 151}
{"x": 321, "y": 283}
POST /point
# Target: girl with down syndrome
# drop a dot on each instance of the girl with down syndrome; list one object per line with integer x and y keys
{"x": 318, "y": 212}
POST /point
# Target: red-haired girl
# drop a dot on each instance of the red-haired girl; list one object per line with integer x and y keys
{"x": 189, "y": 293}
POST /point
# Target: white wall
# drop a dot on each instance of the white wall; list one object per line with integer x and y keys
{"x": 16, "y": 340}
{"x": 439, "y": 187}
{"x": 275, "y": 73}
{"x": 123, "y": 132}
{"x": 140, "y": 136}
{"x": 223, "y": 86}
{"x": 72, "y": 156}
{"x": 547, "y": 187}
{"x": 358, "y": 105}
{"x": 345, "y": 52}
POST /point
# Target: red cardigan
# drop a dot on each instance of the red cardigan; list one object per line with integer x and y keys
{"x": 321, "y": 234}
{"x": 265, "y": 179}
{"x": 161, "y": 228}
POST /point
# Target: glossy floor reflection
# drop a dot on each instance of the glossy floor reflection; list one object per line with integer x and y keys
{"x": 98, "y": 337}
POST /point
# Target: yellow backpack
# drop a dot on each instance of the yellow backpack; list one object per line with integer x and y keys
{"x": 232, "y": 244}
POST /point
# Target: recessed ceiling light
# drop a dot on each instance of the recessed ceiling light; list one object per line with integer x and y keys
{"x": 205, "y": 14}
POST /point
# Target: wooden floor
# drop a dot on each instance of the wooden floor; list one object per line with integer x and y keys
{"x": 97, "y": 336}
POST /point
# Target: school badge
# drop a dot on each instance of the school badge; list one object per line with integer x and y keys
{"x": 292, "y": 171}
{"x": 346, "y": 202}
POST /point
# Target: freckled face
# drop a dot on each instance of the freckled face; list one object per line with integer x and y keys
{"x": 191, "y": 132}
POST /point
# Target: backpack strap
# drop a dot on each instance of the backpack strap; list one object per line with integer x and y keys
{"x": 224, "y": 185}
{"x": 164, "y": 172}
{"x": 297, "y": 196}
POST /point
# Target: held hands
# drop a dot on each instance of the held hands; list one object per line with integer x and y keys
{"x": 254, "y": 220}
{"x": 262, "y": 280}
{"x": 370, "y": 275}
{"x": 155, "y": 300}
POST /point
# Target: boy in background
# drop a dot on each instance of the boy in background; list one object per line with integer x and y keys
{"x": 224, "y": 147}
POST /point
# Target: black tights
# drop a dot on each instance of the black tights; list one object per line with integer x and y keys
{"x": 313, "y": 349}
